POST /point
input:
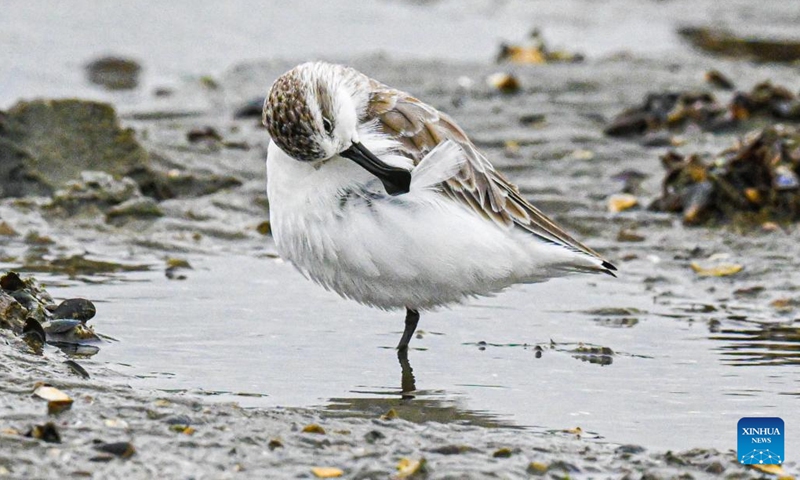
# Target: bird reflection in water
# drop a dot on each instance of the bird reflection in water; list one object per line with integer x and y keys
{"x": 408, "y": 384}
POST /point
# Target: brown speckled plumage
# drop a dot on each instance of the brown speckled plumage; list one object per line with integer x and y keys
{"x": 289, "y": 120}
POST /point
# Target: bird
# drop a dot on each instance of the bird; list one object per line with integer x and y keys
{"x": 385, "y": 200}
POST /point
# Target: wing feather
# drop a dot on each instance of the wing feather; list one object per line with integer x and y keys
{"x": 419, "y": 128}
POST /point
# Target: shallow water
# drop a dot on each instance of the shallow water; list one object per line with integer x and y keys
{"x": 256, "y": 332}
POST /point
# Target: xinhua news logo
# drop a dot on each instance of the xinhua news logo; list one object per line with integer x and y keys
{"x": 760, "y": 441}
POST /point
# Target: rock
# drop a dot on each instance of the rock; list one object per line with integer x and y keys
{"x": 12, "y": 314}
{"x": 44, "y": 144}
{"x": 15, "y": 179}
{"x": 114, "y": 73}
{"x": 75, "y": 309}
{"x": 140, "y": 207}
{"x": 178, "y": 183}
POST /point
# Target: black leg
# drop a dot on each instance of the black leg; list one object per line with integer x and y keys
{"x": 412, "y": 318}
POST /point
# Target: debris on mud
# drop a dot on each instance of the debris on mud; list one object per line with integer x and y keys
{"x": 100, "y": 193}
{"x": 29, "y": 311}
{"x": 719, "y": 80}
{"x": 503, "y": 82}
{"x": 80, "y": 264}
{"x": 727, "y": 44}
{"x": 720, "y": 270}
{"x": 535, "y": 51}
{"x": 47, "y": 433}
{"x": 174, "y": 268}
{"x": 757, "y": 178}
{"x": 675, "y": 111}
{"x": 621, "y": 201}
{"x": 201, "y": 134}
{"x": 57, "y": 401}
{"x": 593, "y": 354}
{"x": 250, "y": 109}
{"x": 114, "y": 449}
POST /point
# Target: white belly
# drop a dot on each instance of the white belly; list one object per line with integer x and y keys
{"x": 418, "y": 250}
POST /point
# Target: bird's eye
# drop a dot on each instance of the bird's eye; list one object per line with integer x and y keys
{"x": 328, "y": 125}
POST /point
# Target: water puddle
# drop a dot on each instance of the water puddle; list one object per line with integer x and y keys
{"x": 613, "y": 362}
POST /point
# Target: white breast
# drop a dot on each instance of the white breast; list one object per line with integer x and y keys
{"x": 418, "y": 250}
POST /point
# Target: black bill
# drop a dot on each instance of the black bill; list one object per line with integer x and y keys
{"x": 395, "y": 180}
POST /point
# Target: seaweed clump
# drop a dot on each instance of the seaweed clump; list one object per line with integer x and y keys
{"x": 758, "y": 178}
{"x": 678, "y": 110}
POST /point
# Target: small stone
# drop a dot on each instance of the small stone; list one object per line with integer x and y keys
{"x": 537, "y": 468}
{"x": 504, "y": 452}
{"x": 203, "y": 134}
{"x": 138, "y": 207}
{"x": 582, "y": 154}
{"x": 716, "y": 78}
{"x": 264, "y": 228}
{"x": 373, "y": 436}
{"x": 503, "y": 83}
{"x": 47, "y": 432}
{"x": 57, "y": 401}
{"x": 630, "y": 449}
{"x": 390, "y": 415}
{"x": 626, "y": 235}
{"x": 76, "y": 309}
{"x": 657, "y": 139}
{"x": 251, "y": 109}
{"x": 314, "y": 428}
{"x": 407, "y": 468}
{"x": 7, "y": 230}
{"x": 621, "y": 201}
{"x": 118, "y": 449}
{"x": 327, "y": 472}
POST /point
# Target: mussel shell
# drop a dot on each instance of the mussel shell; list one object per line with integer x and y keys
{"x": 61, "y": 325}
{"x": 32, "y": 326}
{"x": 75, "y": 308}
{"x": 76, "y": 349}
{"x": 77, "y": 368}
{"x": 11, "y": 282}
{"x": 25, "y": 299}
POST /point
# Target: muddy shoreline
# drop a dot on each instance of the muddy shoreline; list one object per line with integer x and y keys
{"x": 662, "y": 347}
{"x": 183, "y": 437}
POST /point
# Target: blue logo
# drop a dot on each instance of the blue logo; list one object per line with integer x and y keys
{"x": 760, "y": 441}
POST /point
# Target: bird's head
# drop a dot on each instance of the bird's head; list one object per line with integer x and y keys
{"x": 312, "y": 113}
